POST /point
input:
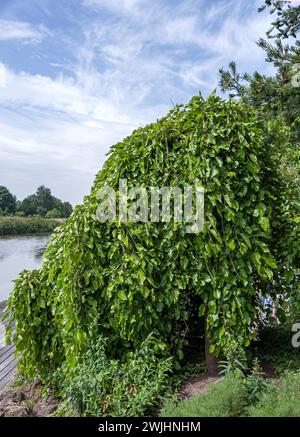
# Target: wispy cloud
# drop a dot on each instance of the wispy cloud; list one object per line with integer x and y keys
{"x": 11, "y": 29}
{"x": 164, "y": 47}
{"x": 117, "y": 6}
{"x": 123, "y": 66}
{"x": 54, "y": 131}
{"x": 61, "y": 94}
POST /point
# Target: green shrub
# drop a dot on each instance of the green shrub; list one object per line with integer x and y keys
{"x": 226, "y": 398}
{"x": 274, "y": 345}
{"x": 101, "y": 386}
{"x": 282, "y": 400}
{"x": 53, "y": 213}
{"x": 26, "y": 225}
{"x": 134, "y": 279}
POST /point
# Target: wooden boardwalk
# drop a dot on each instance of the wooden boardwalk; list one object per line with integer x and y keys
{"x": 8, "y": 361}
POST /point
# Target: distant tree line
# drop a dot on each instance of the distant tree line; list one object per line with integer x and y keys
{"x": 42, "y": 204}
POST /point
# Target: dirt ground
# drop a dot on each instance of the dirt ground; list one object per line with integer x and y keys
{"x": 198, "y": 385}
{"x": 27, "y": 401}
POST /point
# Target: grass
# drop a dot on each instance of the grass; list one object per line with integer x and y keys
{"x": 27, "y": 225}
{"x": 224, "y": 399}
{"x": 230, "y": 398}
{"x": 282, "y": 400}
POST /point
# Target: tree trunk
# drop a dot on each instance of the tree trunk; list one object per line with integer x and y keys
{"x": 210, "y": 359}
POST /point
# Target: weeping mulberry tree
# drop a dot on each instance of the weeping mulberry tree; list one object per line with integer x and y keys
{"x": 127, "y": 280}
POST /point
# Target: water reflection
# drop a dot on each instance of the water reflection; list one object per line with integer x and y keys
{"x": 39, "y": 251}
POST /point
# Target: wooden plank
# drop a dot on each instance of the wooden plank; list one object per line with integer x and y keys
{"x": 3, "y": 305}
{"x": 6, "y": 352}
{"x": 9, "y": 358}
{"x": 8, "y": 361}
{"x": 10, "y": 364}
{"x": 8, "y": 379}
{"x": 5, "y": 348}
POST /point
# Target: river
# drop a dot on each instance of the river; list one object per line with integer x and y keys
{"x": 16, "y": 254}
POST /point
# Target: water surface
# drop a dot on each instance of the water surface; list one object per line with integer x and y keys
{"x": 16, "y": 254}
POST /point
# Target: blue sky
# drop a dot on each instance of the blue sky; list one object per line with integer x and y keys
{"x": 76, "y": 76}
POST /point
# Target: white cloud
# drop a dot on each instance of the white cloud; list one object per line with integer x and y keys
{"x": 169, "y": 52}
{"x": 53, "y": 149}
{"x": 198, "y": 74}
{"x": 131, "y": 64}
{"x": 52, "y": 131}
{"x": 181, "y": 30}
{"x": 2, "y": 76}
{"x": 118, "y": 6}
{"x": 62, "y": 94}
{"x": 10, "y": 29}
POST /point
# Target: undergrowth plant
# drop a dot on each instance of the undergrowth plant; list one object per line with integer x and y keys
{"x": 109, "y": 387}
{"x": 279, "y": 400}
{"x": 256, "y": 383}
{"x": 235, "y": 358}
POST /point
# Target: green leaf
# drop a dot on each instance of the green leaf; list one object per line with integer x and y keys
{"x": 202, "y": 310}
{"x": 264, "y": 223}
{"x": 231, "y": 244}
{"x": 270, "y": 262}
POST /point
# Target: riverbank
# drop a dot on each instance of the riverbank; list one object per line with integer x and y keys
{"x": 27, "y": 225}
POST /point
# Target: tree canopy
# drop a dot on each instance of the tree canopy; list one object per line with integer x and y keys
{"x": 43, "y": 202}
{"x": 125, "y": 281}
{"x": 276, "y": 100}
{"x": 8, "y": 202}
